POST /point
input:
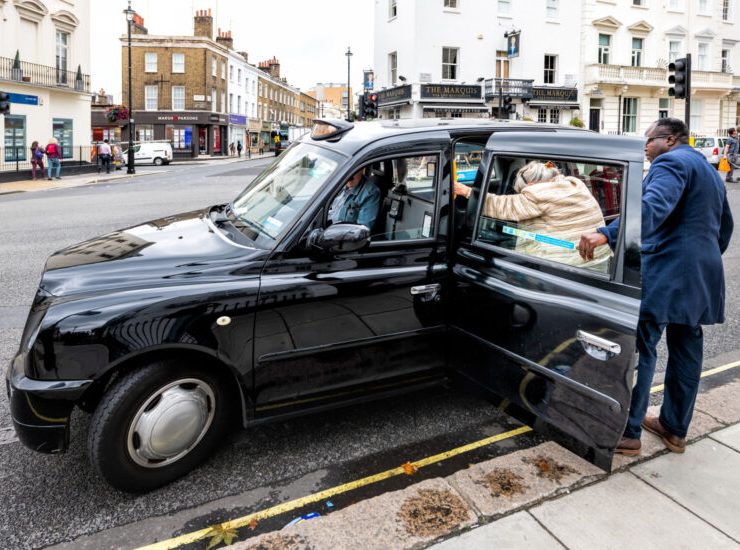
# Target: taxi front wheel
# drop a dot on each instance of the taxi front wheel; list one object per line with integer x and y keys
{"x": 156, "y": 424}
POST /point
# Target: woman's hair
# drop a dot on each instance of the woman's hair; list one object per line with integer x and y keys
{"x": 535, "y": 171}
{"x": 53, "y": 140}
{"x": 34, "y": 145}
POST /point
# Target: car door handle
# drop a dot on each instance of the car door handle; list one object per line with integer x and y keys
{"x": 597, "y": 347}
{"x": 430, "y": 292}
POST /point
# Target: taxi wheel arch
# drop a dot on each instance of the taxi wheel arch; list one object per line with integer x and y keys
{"x": 159, "y": 387}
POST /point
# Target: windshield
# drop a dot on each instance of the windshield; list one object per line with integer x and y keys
{"x": 272, "y": 201}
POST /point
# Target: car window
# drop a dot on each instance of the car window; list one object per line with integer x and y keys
{"x": 546, "y": 219}
{"x": 703, "y": 142}
{"x": 468, "y": 156}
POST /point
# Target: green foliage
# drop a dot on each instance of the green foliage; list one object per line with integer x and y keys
{"x": 17, "y": 60}
{"x": 577, "y": 122}
{"x": 220, "y": 534}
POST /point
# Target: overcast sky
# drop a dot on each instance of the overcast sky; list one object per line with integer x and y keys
{"x": 309, "y": 38}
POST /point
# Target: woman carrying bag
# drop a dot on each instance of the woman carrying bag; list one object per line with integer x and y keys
{"x": 729, "y": 160}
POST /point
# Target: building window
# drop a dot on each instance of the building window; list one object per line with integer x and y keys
{"x": 144, "y": 132}
{"x": 151, "y": 102}
{"x": 449, "y": 63}
{"x": 231, "y": 103}
{"x": 726, "y": 10}
{"x": 393, "y": 68}
{"x": 150, "y": 62}
{"x": 178, "y": 62}
{"x": 239, "y": 104}
{"x": 502, "y": 64}
{"x": 15, "y": 137}
{"x": 704, "y": 7}
{"x": 451, "y": 4}
{"x": 676, "y": 5}
{"x": 181, "y": 137}
{"x": 223, "y": 102}
{"x": 62, "y": 56}
{"x": 504, "y": 7}
{"x": 703, "y": 57}
{"x": 555, "y": 116}
{"x": 696, "y": 109}
{"x": 663, "y": 105}
{"x": 392, "y": 9}
{"x": 629, "y": 114}
{"x": 639, "y": 2}
{"x": 725, "y": 61}
{"x": 178, "y": 98}
{"x": 214, "y": 67}
{"x": 551, "y": 9}
{"x": 239, "y": 78}
{"x": 550, "y": 64}
{"x": 62, "y": 131}
{"x": 214, "y": 108}
{"x": 674, "y": 50}
{"x": 231, "y": 73}
{"x": 223, "y": 70}
{"x": 604, "y": 48}
{"x": 637, "y": 52}
{"x": 541, "y": 115}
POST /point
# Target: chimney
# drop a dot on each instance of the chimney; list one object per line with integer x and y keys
{"x": 225, "y": 39}
{"x": 245, "y": 56}
{"x": 203, "y": 24}
{"x": 271, "y": 67}
{"x": 137, "y": 25}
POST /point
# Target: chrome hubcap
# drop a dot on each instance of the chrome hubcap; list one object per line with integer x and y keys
{"x": 171, "y": 422}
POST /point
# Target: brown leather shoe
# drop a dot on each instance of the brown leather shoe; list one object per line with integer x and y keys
{"x": 628, "y": 447}
{"x": 672, "y": 442}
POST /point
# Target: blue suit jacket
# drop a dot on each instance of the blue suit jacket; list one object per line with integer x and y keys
{"x": 686, "y": 226}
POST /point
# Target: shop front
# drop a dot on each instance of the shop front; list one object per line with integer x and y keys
{"x": 452, "y": 101}
{"x": 254, "y": 127}
{"x": 237, "y": 130}
{"x": 556, "y": 105}
{"x": 395, "y": 102}
{"x": 191, "y": 134}
{"x": 103, "y": 129}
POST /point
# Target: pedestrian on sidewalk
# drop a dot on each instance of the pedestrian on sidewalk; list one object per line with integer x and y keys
{"x": 732, "y": 147}
{"x": 232, "y": 149}
{"x": 105, "y": 155}
{"x": 53, "y": 157}
{"x": 37, "y": 160}
{"x": 686, "y": 226}
{"x": 239, "y": 149}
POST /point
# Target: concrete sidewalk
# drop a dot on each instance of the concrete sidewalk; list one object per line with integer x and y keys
{"x": 546, "y": 497}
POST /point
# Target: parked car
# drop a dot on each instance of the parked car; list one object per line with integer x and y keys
{"x": 171, "y": 332}
{"x": 151, "y": 152}
{"x": 711, "y": 147}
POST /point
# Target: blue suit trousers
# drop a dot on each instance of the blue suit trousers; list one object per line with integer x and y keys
{"x": 683, "y": 373}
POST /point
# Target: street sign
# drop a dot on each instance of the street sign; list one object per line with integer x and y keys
{"x": 24, "y": 99}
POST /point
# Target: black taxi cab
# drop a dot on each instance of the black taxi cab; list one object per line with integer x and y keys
{"x": 172, "y": 331}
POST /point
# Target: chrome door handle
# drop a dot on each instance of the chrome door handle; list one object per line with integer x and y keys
{"x": 597, "y": 347}
{"x": 429, "y": 292}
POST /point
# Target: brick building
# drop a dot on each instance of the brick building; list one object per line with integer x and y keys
{"x": 180, "y": 87}
{"x": 277, "y": 104}
{"x": 333, "y": 92}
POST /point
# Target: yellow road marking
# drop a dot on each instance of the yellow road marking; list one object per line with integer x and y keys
{"x": 290, "y": 505}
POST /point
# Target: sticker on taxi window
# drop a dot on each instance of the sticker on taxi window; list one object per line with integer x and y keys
{"x": 539, "y": 238}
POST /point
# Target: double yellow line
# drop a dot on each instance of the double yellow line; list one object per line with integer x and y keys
{"x": 278, "y": 509}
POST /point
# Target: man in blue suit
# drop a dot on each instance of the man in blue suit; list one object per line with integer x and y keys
{"x": 686, "y": 226}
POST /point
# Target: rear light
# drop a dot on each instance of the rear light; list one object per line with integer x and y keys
{"x": 715, "y": 151}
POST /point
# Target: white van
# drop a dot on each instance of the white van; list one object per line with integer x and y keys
{"x": 151, "y": 152}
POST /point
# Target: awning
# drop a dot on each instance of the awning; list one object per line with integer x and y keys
{"x": 394, "y": 103}
{"x": 556, "y": 104}
{"x": 455, "y": 107}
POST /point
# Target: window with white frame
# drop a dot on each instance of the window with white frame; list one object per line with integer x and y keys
{"x": 214, "y": 107}
{"x": 639, "y": 2}
{"x": 449, "y": 63}
{"x": 223, "y": 70}
{"x": 214, "y": 66}
{"x": 705, "y": 7}
{"x": 150, "y": 62}
{"x": 696, "y": 112}
{"x": 550, "y": 66}
{"x": 504, "y": 7}
{"x": 551, "y": 9}
{"x": 541, "y": 115}
{"x": 62, "y": 56}
{"x": 178, "y": 98}
{"x": 676, "y": 5}
{"x": 703, "y": 57}
{"x": 239, "y": 104}
{"x": 629, "y": 114}
{"x": 727, "y": 10}
{"x": 231, "y": 103}
{"x": 664, "y": 105}
{"x": 637, "y": 44}
{"x": 178, "y": 62}
{"x": 674, "y": 50}
{"x": 231, "y": 73}
{"x": 393, "y": 68}
{"x": 605, "y": 41}
{"x": 392, "y": 9}
{"x": 451, "y": 4}
{"x": 223, "y": 102}
{"x": 239, "y": 77}
{"x": 151, "y": 102}
{"x": 725, "y": 61}
{"x": 555, "y": 116}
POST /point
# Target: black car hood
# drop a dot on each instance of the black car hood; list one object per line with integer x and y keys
{"x": 163, "y": 252}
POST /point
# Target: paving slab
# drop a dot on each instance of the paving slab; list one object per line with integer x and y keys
{"x": 729, "y": 436}
{"x": 377, "y": 523}
{"x": 723, "y": 402}
{"x": 625, "y": 512}
{"x": 509, "y": 482}
{"x": 519, "y": 530}
{"x": 701, "y": 425}
{"x": 705, "y": 479}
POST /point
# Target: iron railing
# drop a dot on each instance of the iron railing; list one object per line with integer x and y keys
{"x": 43, "y": 75}
{"x": 17, "y": 159}
{"x": 515, "y": 87}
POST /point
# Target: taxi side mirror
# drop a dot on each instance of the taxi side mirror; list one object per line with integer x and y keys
{"x": 340, "y": 237}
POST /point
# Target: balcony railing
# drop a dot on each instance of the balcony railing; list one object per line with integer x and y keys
{"x": 515, "y": 87}
{"x": 653, "y": 76}
{"x": 43, "y": 75}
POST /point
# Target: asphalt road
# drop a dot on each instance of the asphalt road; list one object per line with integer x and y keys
{"x": 52, "y": 499}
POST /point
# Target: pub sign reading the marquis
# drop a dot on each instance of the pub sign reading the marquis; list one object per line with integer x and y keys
{"x": 450, "y": 91}
{"x": 394, "y": 95}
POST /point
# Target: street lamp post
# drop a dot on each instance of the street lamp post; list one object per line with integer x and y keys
{"x": 349, "y": 97}
{"x": 130, "y": 169}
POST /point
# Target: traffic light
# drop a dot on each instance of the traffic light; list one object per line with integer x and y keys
{"x": 509, "y": 107}
{"x": 370, "y": 105}
{"x": 361, "y": 107}
{"x": 4, "y": 103}
{"x": 679, "y": 79}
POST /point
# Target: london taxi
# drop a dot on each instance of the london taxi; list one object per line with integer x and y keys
{"x": 171, "y": 331}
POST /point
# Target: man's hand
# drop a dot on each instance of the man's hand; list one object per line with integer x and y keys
{"x": 588, "y": 243}
{"x": 462, "y": 190}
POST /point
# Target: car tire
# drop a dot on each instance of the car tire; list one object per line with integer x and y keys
{"x": 158, "y": 161}
{"x": 130, "y": 441}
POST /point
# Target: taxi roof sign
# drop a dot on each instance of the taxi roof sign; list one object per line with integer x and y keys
{"x": 327, "y": 128}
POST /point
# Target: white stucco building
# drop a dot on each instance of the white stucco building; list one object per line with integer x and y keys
{"x": 50, "y": 83}
{"x": 603, "y": 61}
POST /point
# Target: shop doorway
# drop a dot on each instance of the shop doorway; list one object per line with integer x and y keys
{"x": 594, "y": 120}
{"x": 202, "y": 141}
